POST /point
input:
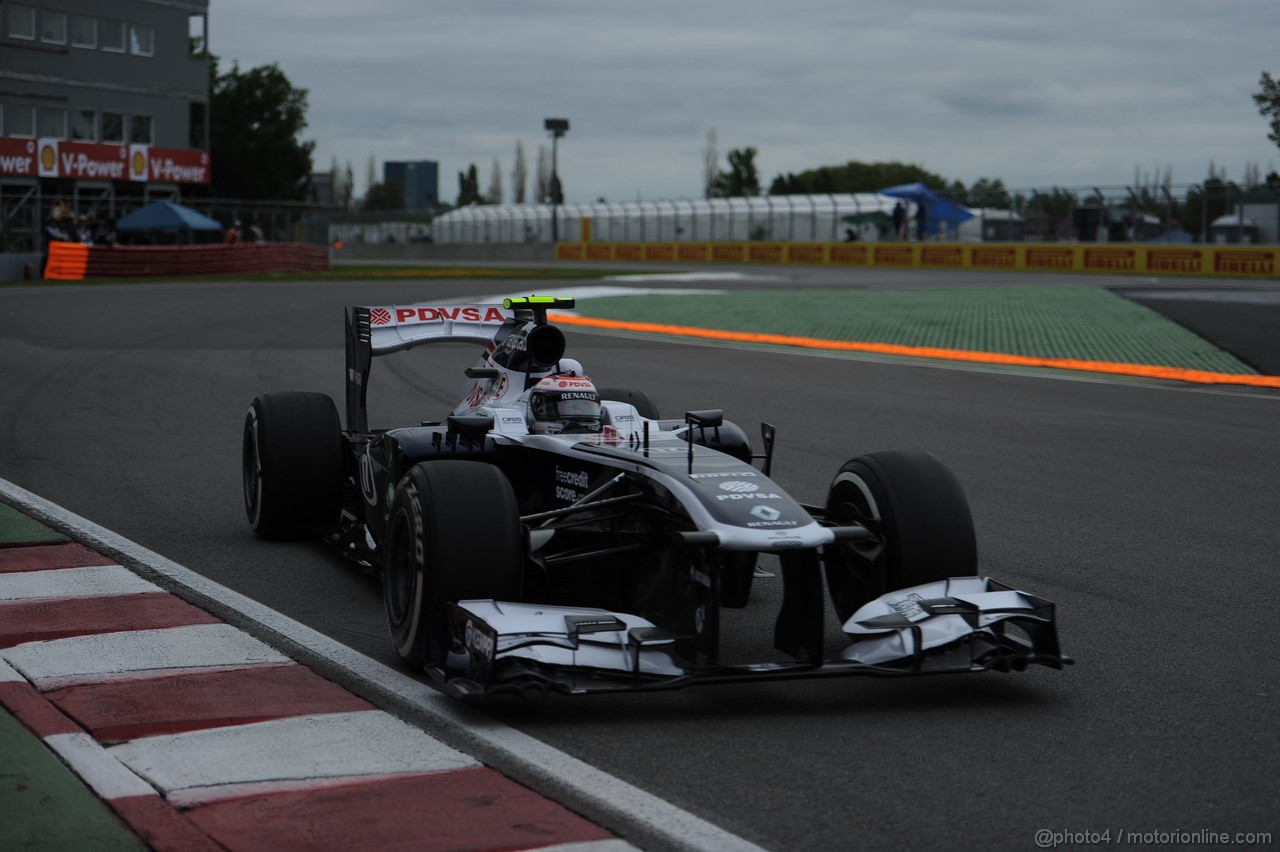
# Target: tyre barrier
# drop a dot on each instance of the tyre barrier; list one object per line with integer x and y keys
{"x": 1108, "y": 259}
{"x": 77, "y": 261}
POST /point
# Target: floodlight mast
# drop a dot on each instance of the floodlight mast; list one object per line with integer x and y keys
{"x": 557, "y": 127}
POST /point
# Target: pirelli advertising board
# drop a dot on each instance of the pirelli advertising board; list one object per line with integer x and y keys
{"x": 1234, "y": 261}
{"x": 61, "y": 158}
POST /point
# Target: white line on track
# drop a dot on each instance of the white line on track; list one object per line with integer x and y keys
{"x": 592, "y": 792}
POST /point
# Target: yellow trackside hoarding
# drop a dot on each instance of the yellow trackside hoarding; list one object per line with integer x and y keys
{"x": 1103, "y": 258}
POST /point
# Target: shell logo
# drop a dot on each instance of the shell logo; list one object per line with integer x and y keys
{"x": 48, "y": 157}
{"x": 138, "y": 164}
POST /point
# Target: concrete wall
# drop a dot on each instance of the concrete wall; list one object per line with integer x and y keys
{"x": 12, "y": 266}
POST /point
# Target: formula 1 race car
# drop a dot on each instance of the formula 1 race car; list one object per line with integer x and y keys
{"x": 548, "y": 535}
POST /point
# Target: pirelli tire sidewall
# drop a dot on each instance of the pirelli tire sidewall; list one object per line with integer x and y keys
{"x": 454, "y": 534}
{"x": 920, "y": 511}
{"x": 292, "y": 464}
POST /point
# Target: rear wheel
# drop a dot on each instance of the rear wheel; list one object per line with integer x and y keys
{"x": 292, "y": 463}
{"x": 637, "y": 398}
{"x": 454, "y": 534}
{"x": 918, "y": 510}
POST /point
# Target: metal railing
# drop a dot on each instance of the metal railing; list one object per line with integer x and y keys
{"x": 1214, "y": 212}
{"x": 29, "y": 218}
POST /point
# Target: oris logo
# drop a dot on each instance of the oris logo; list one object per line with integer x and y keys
{"x": 765, "y": 513}
{"x": 477, "y": 640}
{"x": 739, "y": 487}
{"x": 368, "y": 485}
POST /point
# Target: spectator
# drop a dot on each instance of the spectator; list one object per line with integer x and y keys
{"x": 256, "y": 230}
{"x": 899, "y": 221}
{"x": 233, "y": 233}
{"x": 920, "y": 220}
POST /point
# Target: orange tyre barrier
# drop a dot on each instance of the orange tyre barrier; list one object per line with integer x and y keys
{"x": 76, "y": 261}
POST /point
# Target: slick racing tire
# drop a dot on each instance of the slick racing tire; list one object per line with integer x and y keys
{"x": 637, "y": 398}
{"x": 917, "y": 509}
{"x": 292, "y": 459}
{"x": 454, "y": 534}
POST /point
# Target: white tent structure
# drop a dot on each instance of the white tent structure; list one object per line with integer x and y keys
{"x": 785, "y": 218}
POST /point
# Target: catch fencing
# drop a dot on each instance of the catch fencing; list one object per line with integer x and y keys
{"x": 1207, "y": 214}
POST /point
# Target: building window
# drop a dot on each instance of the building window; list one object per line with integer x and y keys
{"x": 22, "y": 21}
{"x": 84, "y": 31}
{"x": 112, "y": 127}
{"x": 142, "y": 40}
{"x": 53, "y": 123}
{"x": 19, "y": 120}
{"x": 112, "y": 35}
{"x": 196, "y": 115}
{"x": 196, "y": 35}
{"x": 139, "y": 130}
{"x": 84, "y": 125}
{"x": 53, "y": 26}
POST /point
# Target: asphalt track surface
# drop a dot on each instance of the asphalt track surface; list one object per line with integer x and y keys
{"x": 1146, "y": 510}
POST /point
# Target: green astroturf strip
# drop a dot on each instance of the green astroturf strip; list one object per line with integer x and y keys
{"x": 1088, "y": 323}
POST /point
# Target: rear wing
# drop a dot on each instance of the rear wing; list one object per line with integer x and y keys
{"x": 382, "y": 330}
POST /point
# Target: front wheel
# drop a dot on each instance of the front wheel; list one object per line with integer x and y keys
{"x": 454, "y": 534}
{"x": 918, "y": 511}
{"x": 292, "y": 464}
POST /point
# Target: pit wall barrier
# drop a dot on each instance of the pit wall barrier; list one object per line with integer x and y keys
{"x": 77, "y": 261}
{"x": 1137, "y": 259}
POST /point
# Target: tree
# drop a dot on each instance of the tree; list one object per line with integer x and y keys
{"x": 986, "y": 192}
{"x": 710, "y": 165}
{"x": 853, "y": 177}
{"x": 256, "y": 118}
{"x": 519, "y": 175}
{"x": 384, "y": 196}
{"x": 542, "y": 178}
{"x": 341, "y": 184}
{"x": 370, "y": 173}
{"x": 741, "y": 179}
{"x": 495, "y": 183}
{"x": 469, "y": 187}
{"x": 1268, "y": 100}
{"x": 348, "y": 186}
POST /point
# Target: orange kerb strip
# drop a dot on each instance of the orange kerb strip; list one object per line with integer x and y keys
{"x": 1146, "y": 370}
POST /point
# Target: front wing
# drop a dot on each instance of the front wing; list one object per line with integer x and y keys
{"x": 965, "y": 624}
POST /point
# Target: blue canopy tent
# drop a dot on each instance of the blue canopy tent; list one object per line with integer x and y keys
{"x": 165, "y": 216}
{"x": 937, "y": 210}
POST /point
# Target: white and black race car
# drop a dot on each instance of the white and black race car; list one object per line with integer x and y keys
{"x": 552, "y": 536}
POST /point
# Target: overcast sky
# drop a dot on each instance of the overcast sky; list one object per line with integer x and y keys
{"x": 1038, "y": 93}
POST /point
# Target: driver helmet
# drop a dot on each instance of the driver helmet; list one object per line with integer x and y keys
{"x": 563, "y": 403}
